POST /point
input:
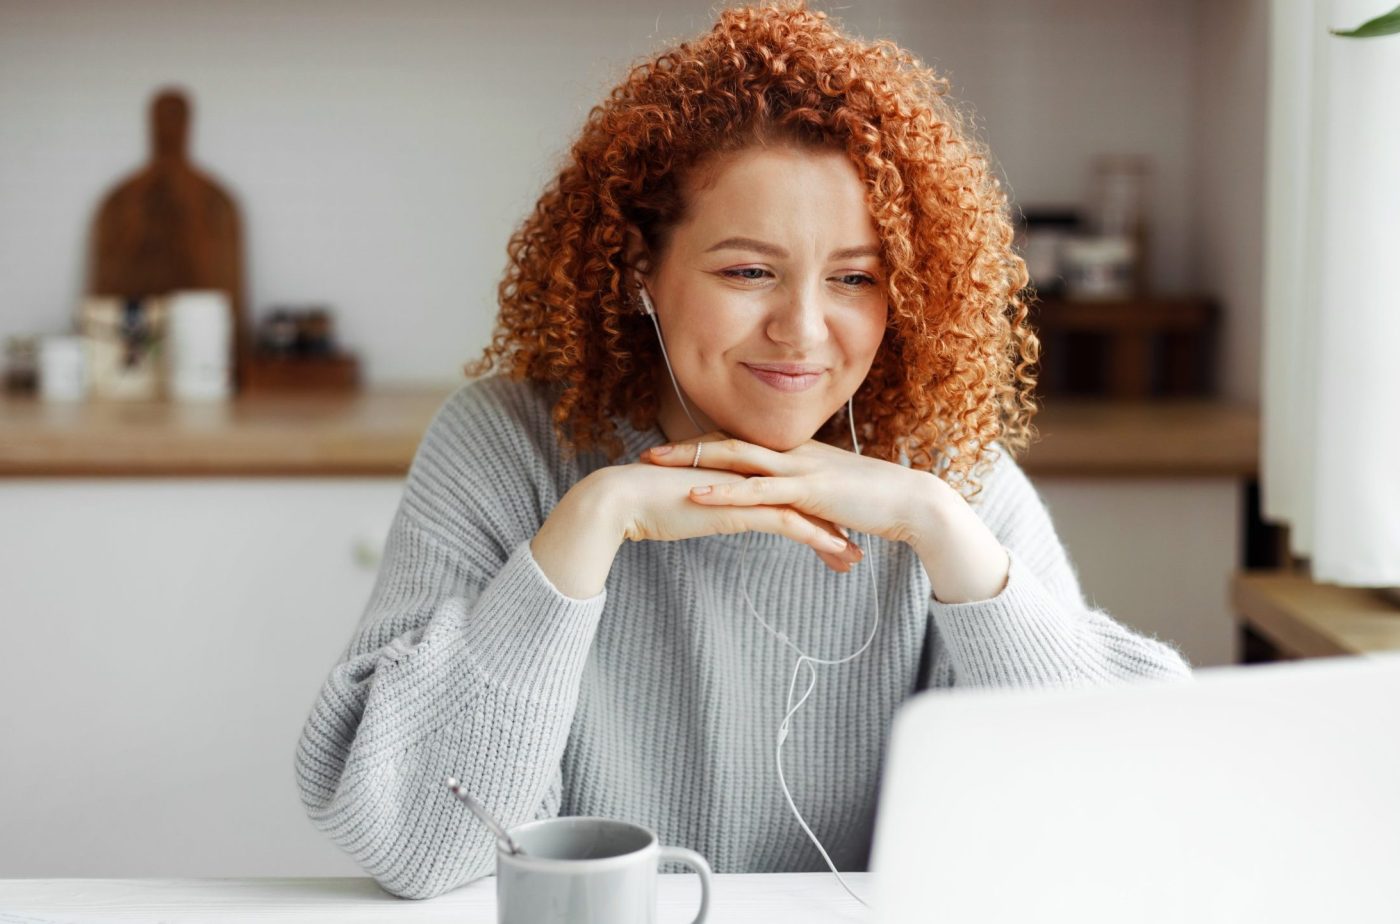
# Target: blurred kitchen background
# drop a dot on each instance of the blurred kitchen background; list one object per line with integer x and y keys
{"x": 206, "y": 422}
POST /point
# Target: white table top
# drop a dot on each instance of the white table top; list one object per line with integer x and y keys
{"x": 769, "y": 898}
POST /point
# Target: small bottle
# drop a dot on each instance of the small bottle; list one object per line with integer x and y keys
{"x": 21, "y": 365}
{"x": 314, "y": 332}
{"x": 279, "y": 333}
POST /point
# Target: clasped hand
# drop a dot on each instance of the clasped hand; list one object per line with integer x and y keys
{"x": 811, "y": 493}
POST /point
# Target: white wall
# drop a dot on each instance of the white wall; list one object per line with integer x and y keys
{"x": 382, "y": 153}
{"x": 1054, "y": 83}
{"x": 1230, "y": 99}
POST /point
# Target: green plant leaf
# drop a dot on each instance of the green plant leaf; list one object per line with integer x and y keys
{"x": 1385, "y": 24}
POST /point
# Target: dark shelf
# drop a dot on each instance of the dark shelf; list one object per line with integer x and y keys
{"x": 1130, "y": 348}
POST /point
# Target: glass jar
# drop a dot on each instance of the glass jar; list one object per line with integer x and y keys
{"x": 1118, "y": 207}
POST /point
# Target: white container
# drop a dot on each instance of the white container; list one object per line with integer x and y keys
{"x": 63, "y": 372}
{"x": 1099, "y": 267}
{"x": 1043, "y": 253}
{"x": 199, "y": 335}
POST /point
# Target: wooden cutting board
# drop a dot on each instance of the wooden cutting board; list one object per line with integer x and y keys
{"x": 168, "y": 226}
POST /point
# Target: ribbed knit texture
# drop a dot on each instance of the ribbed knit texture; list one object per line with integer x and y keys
{"x": 658, "y": 700}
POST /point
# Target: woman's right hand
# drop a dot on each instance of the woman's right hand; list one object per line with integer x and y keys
{"x": 653, "y": 502}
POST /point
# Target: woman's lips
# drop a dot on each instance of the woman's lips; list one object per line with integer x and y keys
{"x": 784, "y": 382}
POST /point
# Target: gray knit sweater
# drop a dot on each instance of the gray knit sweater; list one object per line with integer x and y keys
{"x": 656, "y": 701}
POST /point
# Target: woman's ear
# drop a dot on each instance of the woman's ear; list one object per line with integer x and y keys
{"x": 635, "y": 253}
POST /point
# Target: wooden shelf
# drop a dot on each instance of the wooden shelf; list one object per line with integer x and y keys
{"x": 1129, "y": 349}
{"x": 1309, "y": 620}
{"x": 1172, "y": 438}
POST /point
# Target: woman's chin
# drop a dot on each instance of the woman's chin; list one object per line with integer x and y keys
{"x": 778, "y": 439}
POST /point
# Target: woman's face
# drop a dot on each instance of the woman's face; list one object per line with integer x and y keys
{"x": 777, "y": 262}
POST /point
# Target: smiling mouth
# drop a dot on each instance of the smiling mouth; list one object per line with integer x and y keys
{"x": 784, "y": 382}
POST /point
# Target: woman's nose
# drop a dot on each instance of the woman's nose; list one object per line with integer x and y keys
{"x": 799, "y": 319}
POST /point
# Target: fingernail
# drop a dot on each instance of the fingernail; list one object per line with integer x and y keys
{"x": 702, "y": 489}
{"x": 660, "y": 450}
{"x": 835, "y": 544}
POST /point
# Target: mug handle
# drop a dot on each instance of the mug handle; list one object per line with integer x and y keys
{"x": 696, "y": 862}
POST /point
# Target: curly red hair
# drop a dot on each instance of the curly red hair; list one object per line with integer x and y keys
{"x": 954, "y": 374}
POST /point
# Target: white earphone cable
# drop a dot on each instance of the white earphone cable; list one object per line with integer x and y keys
{"x": 802, "y": 657}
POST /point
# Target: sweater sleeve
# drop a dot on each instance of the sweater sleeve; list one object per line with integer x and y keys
{"x": 1038, "y": 630}
{"x": 467, "y": 662}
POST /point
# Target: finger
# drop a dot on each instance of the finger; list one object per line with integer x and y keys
{"x": 672, "y": 451}
{"x": 775, "y": 492}
{"x": 839, "y": 565}
{"x": 752, "y": 492}
{"x": 727, "y": 453}
{"x": 839, "y": 561}
{"x": 785, "y": 521}
{"x": 853, "y": 553}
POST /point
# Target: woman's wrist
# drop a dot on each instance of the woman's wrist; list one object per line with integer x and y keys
{"x": 965, "y": 561}
{"x": 578, "y": 541}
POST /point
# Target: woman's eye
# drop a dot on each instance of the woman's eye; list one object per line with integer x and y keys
{"x": 855, "y": 280}
{"x": 735, "y": 273}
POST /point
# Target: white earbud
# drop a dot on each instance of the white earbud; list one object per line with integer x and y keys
{"x": 650, "y": 310}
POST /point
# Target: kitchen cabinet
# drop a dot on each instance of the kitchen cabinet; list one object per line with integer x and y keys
{"x": 166, "y": 640}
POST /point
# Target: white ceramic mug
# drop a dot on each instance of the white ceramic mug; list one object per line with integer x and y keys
{"x": 584, "y": 870}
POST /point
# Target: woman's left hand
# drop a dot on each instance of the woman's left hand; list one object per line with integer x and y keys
{"x": 847, "y": 490}
{"x": 965, "y": 561}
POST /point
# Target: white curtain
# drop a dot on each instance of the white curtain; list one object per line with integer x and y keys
{"x": 1331, "y": 390}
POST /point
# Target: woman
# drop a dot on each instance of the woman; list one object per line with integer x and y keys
{"x": 562, "y": 623}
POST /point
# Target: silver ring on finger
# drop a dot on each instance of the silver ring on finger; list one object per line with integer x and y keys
{"x": 696, "y": 462}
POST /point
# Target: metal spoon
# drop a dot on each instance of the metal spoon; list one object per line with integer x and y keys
{"x": 486, "y": 817}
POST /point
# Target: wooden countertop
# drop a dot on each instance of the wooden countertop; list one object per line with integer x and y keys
{"x": 375, "y": 433}
{"x": 1309, "y": 620}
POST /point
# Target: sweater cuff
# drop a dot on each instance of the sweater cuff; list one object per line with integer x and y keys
{"x": 527, "y": 635}
{"x": 520, "y": 634}
{"x": 1020, "y": 637}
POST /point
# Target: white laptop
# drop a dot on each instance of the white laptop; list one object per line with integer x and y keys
{"x": 1263, "y": 793}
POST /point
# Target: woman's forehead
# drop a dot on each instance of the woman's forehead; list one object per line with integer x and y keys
{"x": 783, "y": 197}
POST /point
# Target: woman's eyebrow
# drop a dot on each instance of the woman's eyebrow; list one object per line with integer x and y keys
{"x": 773, "y": 250}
